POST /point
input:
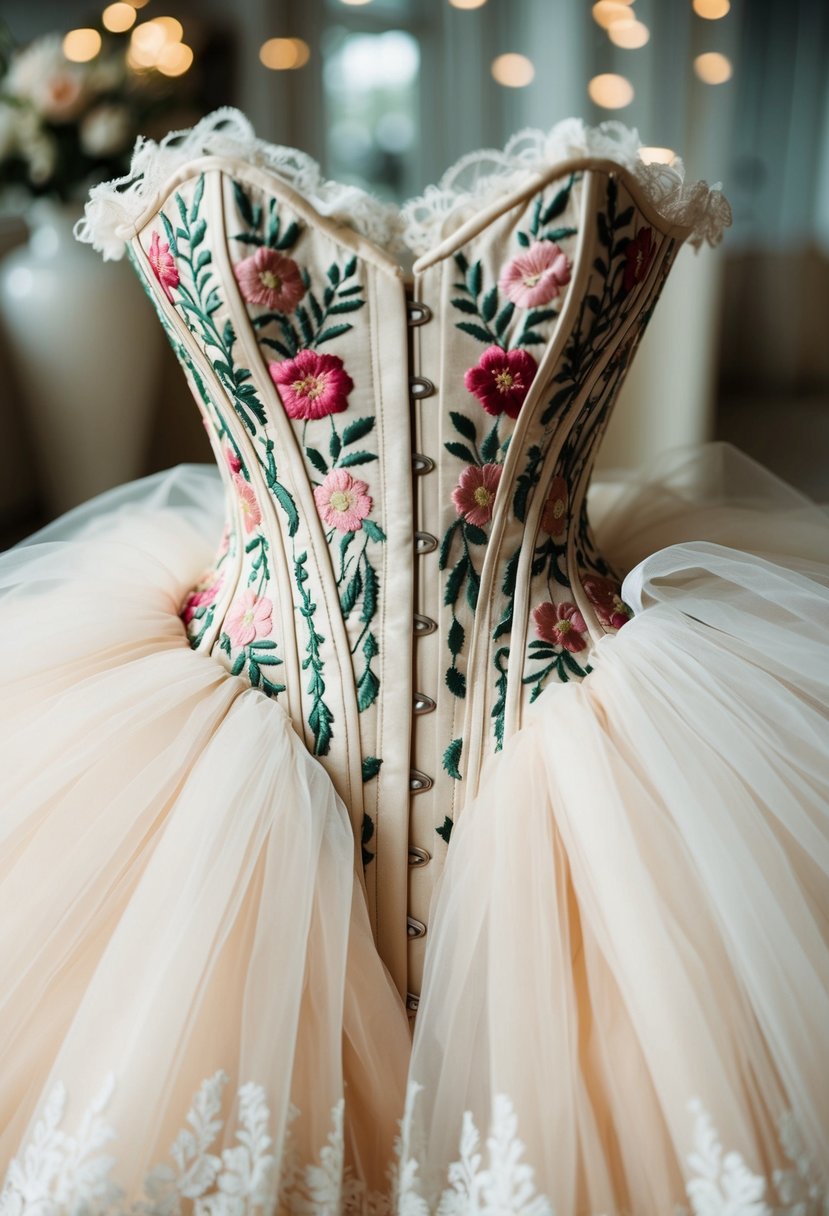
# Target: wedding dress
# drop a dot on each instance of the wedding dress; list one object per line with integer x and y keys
{"x": 375, "y": 721}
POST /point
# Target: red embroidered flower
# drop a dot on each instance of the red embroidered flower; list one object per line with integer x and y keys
{"x": 312, "y": 385}
{"x": 163, "y": 264}
{"x": 603, "y": 594}
{"x": 638, "y": 257}
{"x": 232, "y": 459}
{"x": 561, "y": 625}
{"x": 270, "y": 279}
{"x": 251, "y": 514}
{"x": 501, "y": 380}
{"x": 249, "y": 618}
{"x": 554, "y": 515}
{"x": 474, "y": 495}
{"x": 343, "y": 501}
{"x": 535, "y": 276}
{"x": 203, "y": 594}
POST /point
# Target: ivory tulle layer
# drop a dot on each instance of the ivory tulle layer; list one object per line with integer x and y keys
{"x": 626, "y": 1003}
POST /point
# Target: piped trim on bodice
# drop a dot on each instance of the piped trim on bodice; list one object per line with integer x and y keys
{"x": 474, "y": 184}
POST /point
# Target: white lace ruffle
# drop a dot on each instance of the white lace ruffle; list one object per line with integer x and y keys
{"x": 476, "y": 182}
{"x": 61, "y": 1172}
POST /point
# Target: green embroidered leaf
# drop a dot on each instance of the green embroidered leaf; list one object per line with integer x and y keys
{"x": 276, "y": 345}
{"x": 461, "y": 263}
{"x": 347, "y": 291}
{"x": 464, "y": 426}
{"x": 452, "y": 759}
{"x": 604, "y": 231}
{"x": 456, "y": 682}
{"x": 531, "y": 338}
{"x": 445, "y": 829}
{"x": 456, "y": 637}
{"x": 601, "y": 266}
{"x": 536, "y": 215}
{"x": 346, "y": 306}
{"x": 477, "y": 331}
{"x": 455, "y": 581}
{"x": 372, "y": 531}
{"x": 268, "y": 660}
{"x": 238, "y": 663}
{"x": 473, "y": 586}
{"x": 489, "y": 447}
{"x": 334, "y": 445}
{"x": 571, "y": 664}
{"x": 228, "y": 335}
{"x": 352, "y": 458}
{"x": 371, "y": 767}
{"x": 182, "y": 210}
{"x": 197, "y": 198}
{"x": 489, "y": 304}
{"x": 523, "y": 239}
{"x": 367, "y": 830}
{"x": 446, "y": 545}
{"x": 556, "y": 402}
{"x": 333, "y": 331}
{"x": 537, "y": 316}
{"x": 558, "y": 204}
{"x": 212, "y": 302}
{"x": 198, "y": 234}
{"x": 243, "y": 205}
{"x": 593, "y": 303}
{"x": 473, "y": 279}
{"x": 315, "y": 308}
{"x": 305, "y": 326}
{"x": 370, "y": 591}
{"x": 474, "y": 534}
{"x": 370, "y": 647}
{"x": 464, "y": 305}
{"x": 317, "y": 460}
{"x": 271, "y": 689}
{"x": 333, "y": 274}
{"x": 320, "y": 720}
{"x": 349, "y": 597}
{"x": 349, "y": 268}
{"x": 272, "y": 233}
{"x": 624, "y": 218}
{"x": 461, "y": 451}
{"x": 288, "y": 506}
{"x": 168, "y": 232}
{"x": 289, "y": 236}
{"x": 368, "y": 686}
{"x": 358, "y": 429}
{"x": 248, "y": 238}
{"x": 224, "y": 644}
{"x": 503, "y": 319}
{"x": 558, "y": 234}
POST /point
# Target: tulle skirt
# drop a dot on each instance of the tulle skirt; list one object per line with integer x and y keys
{"x": 626, "y": 1001}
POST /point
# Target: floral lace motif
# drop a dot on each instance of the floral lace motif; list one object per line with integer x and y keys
{"x": 474, "y": 183}
{"x": 62, "y": 1173}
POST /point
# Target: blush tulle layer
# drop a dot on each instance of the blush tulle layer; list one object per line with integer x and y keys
{"x": 626, "y": 1004}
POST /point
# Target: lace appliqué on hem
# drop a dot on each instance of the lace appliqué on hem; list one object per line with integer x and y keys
{"x": 60, "y": 1174}
{"x": 474, "y": 183}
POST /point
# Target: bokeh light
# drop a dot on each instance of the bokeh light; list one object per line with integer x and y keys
{"x": 284, "y": 54}
{"x": 713, "y": 67}
{"x": 712, "y": 10}
{"x": 512, "y": 70}
{"x": 657, "y": 156}
{"x": 629, "y": 35}
{"x": 80, "y": 46}
{"x": 607, "y": 13}
{"x": 117, "y": 18}
{"x": 610, "y": 91}
{"x": 175, "y": 59}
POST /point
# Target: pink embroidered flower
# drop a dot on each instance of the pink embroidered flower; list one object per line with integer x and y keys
{"x": 535, "y": 276}
{"x": 343, "y": 501}
{"x": 312, "y": 385}
{"x": 232, "y": 459}
{"x": 638, "y": 257}
{"x": 561, "y": 625}
{"x": 603, "y": 594}
{"x": 501, "y": 380}
{"x": 270, "y": 279}
{"x": 163, "y": 264}
{"x": 251, "y": 514}
{"x": 203, "y": 594}
{"x": 249, "y": 618}
{"x": 474, "y": 495}
{"x": 554, "y": 515}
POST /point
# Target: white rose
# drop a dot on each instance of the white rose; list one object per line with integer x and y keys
{"x": 106, "y": 130}
{"x": 42, "y": 75}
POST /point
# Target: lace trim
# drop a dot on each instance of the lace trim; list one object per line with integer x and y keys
{"x": 474, "y": 183}
{"x": 62, "y": 1173}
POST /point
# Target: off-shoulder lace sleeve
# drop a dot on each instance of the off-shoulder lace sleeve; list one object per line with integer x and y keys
{"x": 479, "y": 179}
{"x": 474, "y": 183}
{"x": 114, "y": 207}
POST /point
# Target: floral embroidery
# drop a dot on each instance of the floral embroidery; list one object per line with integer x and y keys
{"x": 561, "y": 625}
{"x": 537, "y": 276}
{"x": 474, "y": 495}
{"x": 163, "y": 265}
{"x": 312, "y": 385}
{"x": 343, "y": 501}
{"x": 270, "y": 279}
{"x": 638, "y": 257}
{"x": 202, "y": 595}
{"x": 232, "y": 458}
{"x": 603, "y": 594}
{"x": 249, "y": 507}
{"x": 554, "y": 515}
{"x": 502, "y": 380}
{"x": 248, "y": 618}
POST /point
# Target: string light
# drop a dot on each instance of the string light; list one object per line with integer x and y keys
{"x": 713, "y": 68}
{"x": 610, "y": 91}
{"x": 175, "y": 59}
{"x": 607, "y": 13}
{"x": 118, "y": 18}
{"x": 284, "y": 54}
{"x": 154, "y": 42}
{"x": 712, "y": 10}
{"x": 657, "y": 156}
{"x": 513, "y": 71}
{"x": 630, "y": 35}
{"x": 81, "y": 45}
{"x": 172, "y": 29}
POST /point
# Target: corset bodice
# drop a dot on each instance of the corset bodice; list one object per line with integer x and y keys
{"x": 407, "y": 562}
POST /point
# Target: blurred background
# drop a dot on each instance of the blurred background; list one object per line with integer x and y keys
{"x": 387, "y": 94}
